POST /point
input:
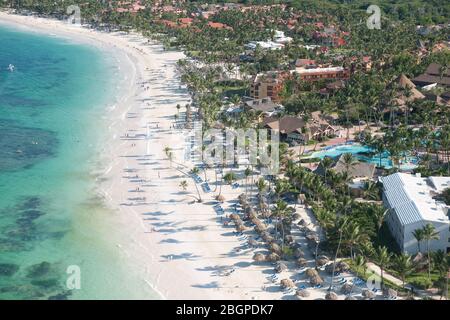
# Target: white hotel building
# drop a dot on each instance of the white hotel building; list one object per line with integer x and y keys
{"x": 412, "y": 204}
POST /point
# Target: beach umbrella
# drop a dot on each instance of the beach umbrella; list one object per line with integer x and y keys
{"x": 240, "y": 228}
{"x": 259, "y": 257}
{"x": 303, "y": 293}
{"x": 220, "y": 198}
{"x": 343, "y": 266}
{"x": 312, "y": 237}
{"x": 281, "y": 267}
{"x": 368, "y": 294}
{"x": 256, "y": 221}
{"x": 234, "y": 217}
{"x": 253, "y": 242}
{"x": 298, "y": 253}
{"x": 322, "y": 260}
{"x": 275, "y": 248}
{"x": 251, "y": 213}
{"x": 270, "y": 239}
{"x": 316, "y": 280}
{"x": 311, "y": 273}
{"x": 261, "y": 229}
{"x": 331, "y": 296}
{"x": 264, "y": 235}
{"x": 287, "y": 283}
{"x": 273, "y": 257}
{"x": 288, "y": 238}
{"x": 346, "y": 288}
{"x": 389, "y": 293}
{"x": 301, "y": 262}
{"x": 242, "y": 197}
{"x": 302, "y": 223}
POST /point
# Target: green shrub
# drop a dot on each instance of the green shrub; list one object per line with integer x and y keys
{"x": 422, "y": 283}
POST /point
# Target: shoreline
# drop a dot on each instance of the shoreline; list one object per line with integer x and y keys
{"x": 144, "y": 252}
{"x": 176, "y": 248}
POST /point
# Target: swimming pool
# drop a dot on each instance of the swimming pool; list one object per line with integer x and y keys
{"x": 365, "y": 154}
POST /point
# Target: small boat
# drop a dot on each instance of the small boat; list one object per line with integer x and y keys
{"x": 11, "y": 67}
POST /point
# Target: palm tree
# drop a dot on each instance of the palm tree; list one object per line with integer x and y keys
{"x": 195, "y": 171}
{"x": 353, "y": 236}
{"x": 383, "y": 259}
{"x": 380, "y": 149}
{"x": 281, "y": 211}
{"x": 325, "y": 219}
{"x": 418, "y": 234}
{"x": 247, "y": 173}
{"x": 348, "y": 161}
{"x": 360, "y": 263}
{"x": 261, "y": 185}
{"x": 379, "y": 214}
{"x": 184, "y": 185}
{"x": 441, "y": 262}
{"x": 371, "y": 191}
{"x": 229, "y": 177}
{"x": 429, "y": 233}
{"x": 403, "y": 265}
{"x": 326, "y": 164}
{"x": 340, "y": 225}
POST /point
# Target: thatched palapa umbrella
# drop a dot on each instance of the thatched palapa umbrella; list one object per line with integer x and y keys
{"x": 253, "y": 242}
{"x": 331, "y": 296}
{"x": 389, "y": 293}
{"x": 311, "y": 273}
{"x": 303, "y": 293}
{"x": 261, "y": 229}
{"x": 368, "y": 294}
{"x": 275, "y": 248}
{"x": 322, "y": 260}
{"x": 281, "y": 267}
{"x": 220, "y": 198}
{"x": 287, "y": 283}
{"x": 316, "y": 280}
{"x": 342, "y": 266}
{"x": 273, "y": 257}
{"x": 301, "y": 262}
{"x": 259, "y": 257}
{"x": 240, "y": 227}
{"x": 298, "y": 253}
{"x": 346, "y": 288}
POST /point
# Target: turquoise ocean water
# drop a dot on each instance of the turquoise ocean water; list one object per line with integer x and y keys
{"x": 51, "y": 128}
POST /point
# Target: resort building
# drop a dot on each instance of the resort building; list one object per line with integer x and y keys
{"x": 296, "y": 130}
{"x": 359, "y": 172}
{"x": 329, "y": 73}
{"x": 305, "y": 63}
{"x": 268, "y": 85}
{"x": 435, "y": 74}
{"x": 279, "y": 37}
{"x": 265, "y": 106}
{"x": 412, "y": 204}
{"x": 410, "y": 92}
{"x": 267, "y": 45}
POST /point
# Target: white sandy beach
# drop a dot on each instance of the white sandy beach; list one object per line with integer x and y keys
{"x": 178, "y": 248}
